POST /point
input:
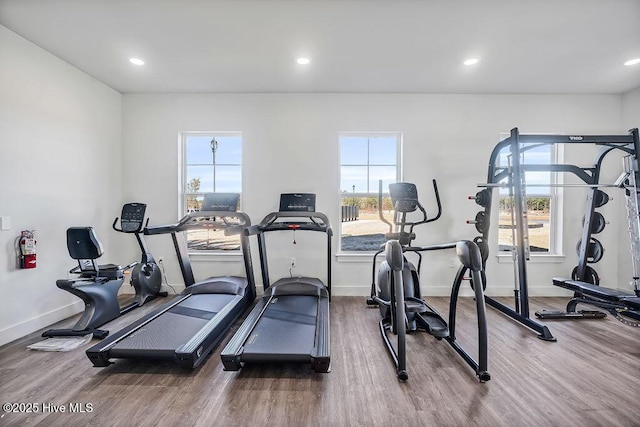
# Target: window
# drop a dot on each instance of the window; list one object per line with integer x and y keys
{"x": 365, "y": 160}
{"x": 212, "y": 162}
{"x": 542, "y": 201}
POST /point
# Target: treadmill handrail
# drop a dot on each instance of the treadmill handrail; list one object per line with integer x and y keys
{"x": 318, "y": 221}
{"x": 190, "y": 222}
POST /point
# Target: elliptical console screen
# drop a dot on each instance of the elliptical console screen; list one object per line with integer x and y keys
{"x": 297, "y": 202}
{"x": 404, "y": 196}
{"x": 220, "y": 202}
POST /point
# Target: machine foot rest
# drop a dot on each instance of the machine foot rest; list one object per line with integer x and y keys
{"x": 433, "y": 324}
{"x": 581, "y": 314}
{"x": 415, "y": 307}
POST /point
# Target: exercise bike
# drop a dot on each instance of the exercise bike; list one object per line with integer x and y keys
{"x": 98, "y": 285}
{"x": 398, "y": 293}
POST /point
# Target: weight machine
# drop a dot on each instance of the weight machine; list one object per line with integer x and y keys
{"x": 584, "y": 279}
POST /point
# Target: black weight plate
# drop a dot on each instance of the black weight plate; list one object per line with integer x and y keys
{"x": 601, "y": 198}
{"x": 481, "y": 222}
{"x": 597, "y": 223}
{"x": 484, "y": 248}
{"x": 483, "y": 197}
{"x": 595, "y": 250}
{"x": 592, "y": 276}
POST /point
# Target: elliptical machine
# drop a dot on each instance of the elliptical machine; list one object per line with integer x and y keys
{"x": 398, "y": 293}
{"x": 98, "y": 285}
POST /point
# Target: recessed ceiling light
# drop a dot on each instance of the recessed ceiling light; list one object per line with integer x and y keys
{"x": 471, "y": 61}
{"x": 633, "y": 61}
{"x": 303, "y": 61}
{"x": 136, "y": 61}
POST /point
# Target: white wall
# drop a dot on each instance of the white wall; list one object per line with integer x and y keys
{"x": 631, "y": 109}
{"x": 291, "y": 144}
{"x": 60, "y": 136}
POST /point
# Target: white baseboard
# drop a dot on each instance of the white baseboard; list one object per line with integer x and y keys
{"x": 28, "y": 326}
{"x": 443, "y": 291}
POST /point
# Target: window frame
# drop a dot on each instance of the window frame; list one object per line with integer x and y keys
{"x": 398, "y": 136}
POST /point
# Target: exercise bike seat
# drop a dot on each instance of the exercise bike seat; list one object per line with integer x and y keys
{"x": 106, "y": 271}
{"x": 85, "y": 247}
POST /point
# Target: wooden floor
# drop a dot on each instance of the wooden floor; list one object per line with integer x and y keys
{"x": 589, "y": 377}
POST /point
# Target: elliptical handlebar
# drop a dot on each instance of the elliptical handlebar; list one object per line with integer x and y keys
{"x": 400, "y": 213}
{"x": 438, "y": 203}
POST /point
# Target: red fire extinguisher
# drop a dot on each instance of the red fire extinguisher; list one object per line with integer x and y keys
{"x": 27, "y": 249}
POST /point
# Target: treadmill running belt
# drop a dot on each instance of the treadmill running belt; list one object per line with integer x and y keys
{"x": 285, "y": 332}
{"x": 287, "y": 316}
{"x": 192, "y": 312}
{"x": 175, "y": 327}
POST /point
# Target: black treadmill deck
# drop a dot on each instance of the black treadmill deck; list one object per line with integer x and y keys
{"x": 174, "y": 328}
{"x": 184, "y": 330}
{"x": 289, "y": 324}
{"x": 286, "y": 330}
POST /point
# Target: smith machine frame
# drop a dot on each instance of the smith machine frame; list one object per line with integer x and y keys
{"x": 513, "y": 176}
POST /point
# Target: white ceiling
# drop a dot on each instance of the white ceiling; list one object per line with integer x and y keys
{"x": 408, "y": 46}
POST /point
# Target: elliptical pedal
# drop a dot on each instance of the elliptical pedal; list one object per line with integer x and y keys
{"x": 433, "y": 324}
{"x": 412, "y": 306}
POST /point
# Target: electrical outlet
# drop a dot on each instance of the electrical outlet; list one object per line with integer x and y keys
{"x": 293, "y": 262}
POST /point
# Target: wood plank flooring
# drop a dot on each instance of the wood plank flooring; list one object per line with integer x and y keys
{"x": 589, "y": 377}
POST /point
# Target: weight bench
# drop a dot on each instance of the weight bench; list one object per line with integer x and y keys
{"x": 618, "y": 303}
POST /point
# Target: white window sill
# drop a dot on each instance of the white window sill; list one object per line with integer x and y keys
{"x": 354, "y": 257}
{"x": 235, "y": 256}
{"x": 367, "y": 257}
{"x": 534, "y": 258}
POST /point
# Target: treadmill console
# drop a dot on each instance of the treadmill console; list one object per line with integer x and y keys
{"x": 132, "y": 217}
{"x": 220, "y": 202}
{"x": 297, "y": 202}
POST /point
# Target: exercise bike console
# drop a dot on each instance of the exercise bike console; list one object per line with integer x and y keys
{"x": 131, "y": 218}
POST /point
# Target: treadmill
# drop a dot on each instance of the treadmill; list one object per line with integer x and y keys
{"x": 188, "y": 328}
{"x": 291, "y": 321}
